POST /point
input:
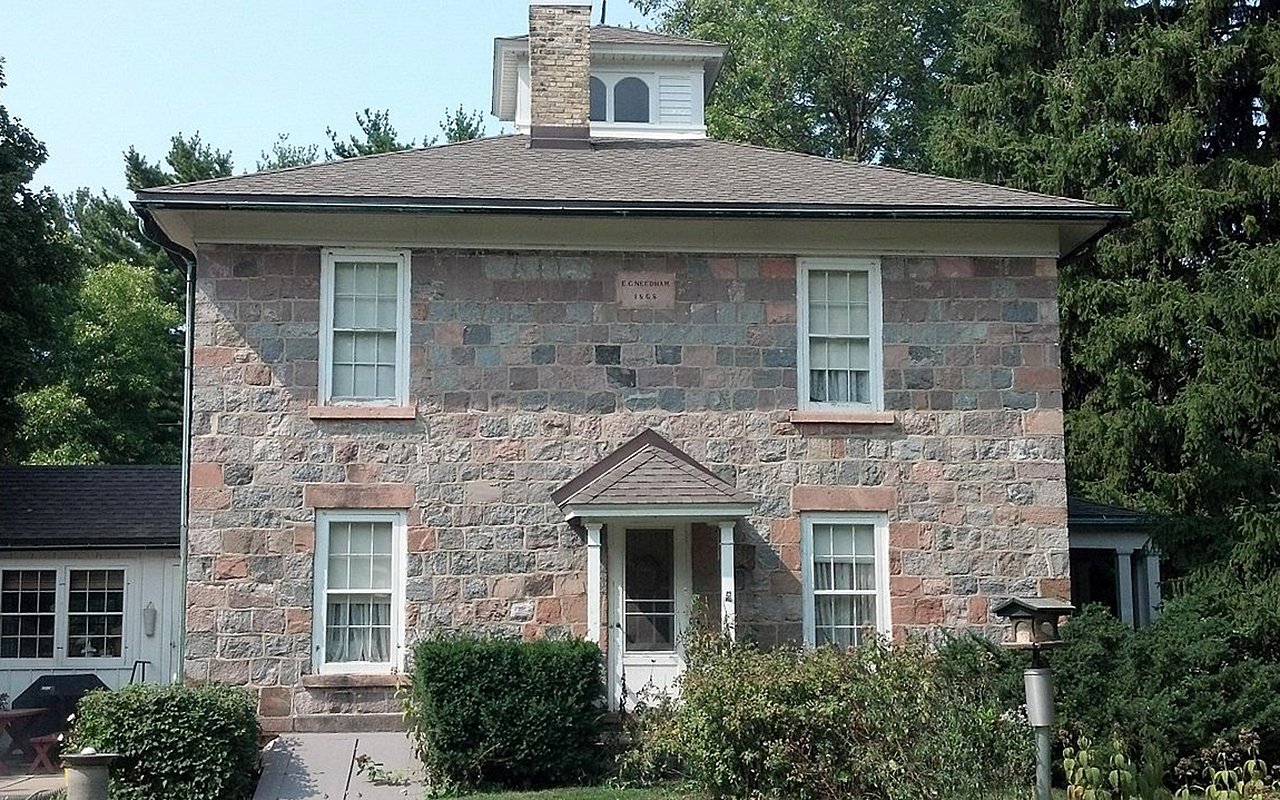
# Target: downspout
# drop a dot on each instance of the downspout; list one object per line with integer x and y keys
{"x": 184, "y": 260}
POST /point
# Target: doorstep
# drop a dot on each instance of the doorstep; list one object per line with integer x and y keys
{"x": 321, "y": 766}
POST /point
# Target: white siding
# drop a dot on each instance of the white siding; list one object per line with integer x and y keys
{"x": 675, "y": 99}
{"x": 151, "y": 577}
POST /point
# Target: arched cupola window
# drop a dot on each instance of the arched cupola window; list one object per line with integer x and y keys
{"x": 630, "y": 101}
{"x": 599, "y": 100}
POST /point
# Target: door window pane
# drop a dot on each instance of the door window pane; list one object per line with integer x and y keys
{"x": 27, "y": 612}
{"x": 649, "y": 591}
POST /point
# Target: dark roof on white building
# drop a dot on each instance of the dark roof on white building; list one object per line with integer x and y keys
{"x": 89, "y": 507}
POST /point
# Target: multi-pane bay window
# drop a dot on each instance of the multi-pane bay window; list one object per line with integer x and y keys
{"x": 359, "y": 600}
{"x": 840, "y": 348}
{"x": 364, "y": 339}
{"x": 845, "y": 576}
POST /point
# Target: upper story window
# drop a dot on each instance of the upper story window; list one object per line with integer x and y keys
{"x": 844, "y": 565}
{"x": 364, "y": 340}
{"x": 359, "y": 580}
{"x": 621, "y": 98}
{"x": 840, "y": 342}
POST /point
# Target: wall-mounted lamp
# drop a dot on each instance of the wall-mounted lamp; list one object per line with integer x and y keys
{"x": 149, "y": 620}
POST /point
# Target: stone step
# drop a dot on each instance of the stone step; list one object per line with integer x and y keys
{"x": 348, "y": 723}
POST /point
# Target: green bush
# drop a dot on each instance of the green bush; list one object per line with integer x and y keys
{"x": 879, "y": 721}
{"x": 498, "y": 712}
{"x": 175, "y": 742}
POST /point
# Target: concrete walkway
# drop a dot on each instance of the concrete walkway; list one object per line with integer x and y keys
{"x": 29, "y": 787}
{"x": 321, "y": 766}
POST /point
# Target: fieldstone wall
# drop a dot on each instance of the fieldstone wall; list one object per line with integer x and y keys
{"x": 525, "y": 370}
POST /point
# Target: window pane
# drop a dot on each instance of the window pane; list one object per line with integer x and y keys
{"x": 27, "y": 599}
{"x": 597, "y": 100}
{"x": 95, "y": 628}
{"x": 358, "y": 628}
{"x": 631, "y": 100}
{"x": 649, "y": 596}
{"x": 366, "y": 321}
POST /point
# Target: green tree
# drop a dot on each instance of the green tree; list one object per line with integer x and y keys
{"x": 379, "y": 136}
{"x": 189, "y": 159}
{"x": 107, "y": 230}
{"x": 284, "y": 154}
{"x": 39, "y": 267}
{"x": 115, "y": 391}
{"x": 1171, "y": 325}
{"x": 841, "y": 78}
{"x": 461, "y": 126}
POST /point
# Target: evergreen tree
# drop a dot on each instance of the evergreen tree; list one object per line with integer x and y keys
{"x": 379, "y": 136}
{"x": 461, "y": 126}
{"x": 284, "y": 155}
{"x": 1171, "y": 325}
{"x": 189, "y": 159}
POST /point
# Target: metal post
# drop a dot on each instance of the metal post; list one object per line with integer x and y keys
{"x": 88, "y": 774}
{"x": 1038, "y": 681}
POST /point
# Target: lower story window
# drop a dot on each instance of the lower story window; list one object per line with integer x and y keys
{"x": 359, "y": 572}
{"x": 28, "y": 612}
{"x": 845, "y": 575}
{"x": 95, "y": 613}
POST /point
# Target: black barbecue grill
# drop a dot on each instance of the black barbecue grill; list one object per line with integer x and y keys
{"x": 58, "y": 695}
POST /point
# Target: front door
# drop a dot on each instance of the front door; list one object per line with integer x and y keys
{"x": 649, "y": 593}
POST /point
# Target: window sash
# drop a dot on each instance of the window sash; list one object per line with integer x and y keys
{"x": 64, "y": 620}
{"x": 358, "y": 628}
{"x": 839, "y": 336}
{"x": 364, "y": 342}
{"x": 844, "y": 611}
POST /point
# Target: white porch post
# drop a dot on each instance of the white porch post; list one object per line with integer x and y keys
{"x": 728, "y": 598}
{"x": 593, "y": 580}
{"x": 1124, "y": 585}
{"x": 1153, "y": 582}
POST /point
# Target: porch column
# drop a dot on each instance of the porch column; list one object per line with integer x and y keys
{"x": 1153, "y": 582}
{"x": 593, "y": 580}
{"x": 728, "y": 600}
{"x": 1124, "y": 585}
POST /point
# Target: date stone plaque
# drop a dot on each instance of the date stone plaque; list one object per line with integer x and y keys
{"x": 647, "y": 289}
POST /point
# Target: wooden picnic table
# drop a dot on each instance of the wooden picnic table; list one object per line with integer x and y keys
{"x": 15, "y": 723}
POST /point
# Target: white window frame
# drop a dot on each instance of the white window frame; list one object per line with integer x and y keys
{"x": 61, "y": 616}
{"x": 880, "y": 521}
{"x": 875, "y": 329}
{"x": 328, "y": 257}
{"x": 610, "y": 79}
{"x": 320, "y": 592}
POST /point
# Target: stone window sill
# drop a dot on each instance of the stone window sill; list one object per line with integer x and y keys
{"x": 344, "y": 680}
{"x": 363, "y": 412}
{"x": 850, "y": 417}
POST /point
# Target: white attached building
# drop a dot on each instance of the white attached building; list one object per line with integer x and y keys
{"x": 89, "y": 573}
{"x": 1113, "y": 560}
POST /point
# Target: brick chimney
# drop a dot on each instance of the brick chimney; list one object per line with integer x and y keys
{"x": 560, "y": 74}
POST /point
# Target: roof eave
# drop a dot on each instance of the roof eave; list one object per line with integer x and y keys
{"x": 188, "y": 202}
{"x": 574, "y": 511}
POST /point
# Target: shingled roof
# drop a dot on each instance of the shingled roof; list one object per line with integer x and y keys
{"x": 648, "y": 471}
{"x": 503, "y": 173}
{"x": 1082, "y": 512}
{"x": 90, "y": 507}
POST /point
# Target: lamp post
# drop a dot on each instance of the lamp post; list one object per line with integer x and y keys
{"x": 1035, "y": 628}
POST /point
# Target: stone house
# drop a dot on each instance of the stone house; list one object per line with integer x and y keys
{"x": 603, "y": 375}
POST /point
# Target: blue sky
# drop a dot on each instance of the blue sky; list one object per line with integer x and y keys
{"x": 92, "y": 78}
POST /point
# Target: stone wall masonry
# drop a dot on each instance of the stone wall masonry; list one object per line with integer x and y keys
{"x": 525, "y": 371}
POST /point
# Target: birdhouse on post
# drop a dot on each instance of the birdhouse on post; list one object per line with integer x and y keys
{"x": 1035, "y": 620}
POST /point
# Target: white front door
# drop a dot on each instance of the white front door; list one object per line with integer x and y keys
{"x": 650, "y": 585}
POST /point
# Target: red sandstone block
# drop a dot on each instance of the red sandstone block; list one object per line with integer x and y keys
{"x": 573, "y": 609}
{"x": 304, "y": 538}
{"x": 298, "y": 620}
{"x": 230, "y": 567}
{"x": 904, "y": 586}
{"x": 777, "y": 313}
{"x": 724, "y": 269}
{"x": 904, "y": 535}
{"x": 955, "y": 267}
{"x": 257, "y": 374}
{"x": 208, "y": 356}
{"x": 547, "y": 611}
{"x": 1056, "y": 587}
{"x": 376, "y": 495}
{"x": 275, "y": 701}
{"x": 571, "y": 584}
{"x": 206, "y": 475}
{"x": 778, "y": 268}
{"x": 204, "y": 595}
{"x": 843, "y": 498}
{"x": 1037, "y": 378}
{"x": 978, "y": 610}
{"x": 509, "y": 587}
{"x": 902, "y": 610}
{"x": 1043, "y": 515}
{"x": 210, "y": 499}
{"x": 1042, "y": 422}
{"x": 449, "y": 334}
{"x": 928, "y": 611}
{"x": 421, "y": 540}
{"x": 362, "y": 473}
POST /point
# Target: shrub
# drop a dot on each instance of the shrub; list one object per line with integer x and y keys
{"x": 175, "y": 742}
{"x": 506, "y": 713}
{"x": 879, "y": 721}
